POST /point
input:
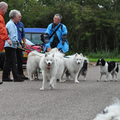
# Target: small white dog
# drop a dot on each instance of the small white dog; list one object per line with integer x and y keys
{"x": 111, "y": 112}
{"x": 74, "y": 64}
{"x": 52, "y": 66}
{"x": 108, "y": 68}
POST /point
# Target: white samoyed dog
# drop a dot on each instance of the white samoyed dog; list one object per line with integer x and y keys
{"x": 34, "y": 58}
{"x": 52, "y": 66}
{"x": 111, "y": 112}
{"x": 74, "y": 64}
{"x": 32, "y": 66}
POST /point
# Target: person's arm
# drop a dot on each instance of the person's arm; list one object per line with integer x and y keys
{"x": 64, "y": 34}
{"x": 24, "y": 40}
{"x": 12, "y": 31}
{"x": 3, "y": 33}
{"x": 48, "y": 32}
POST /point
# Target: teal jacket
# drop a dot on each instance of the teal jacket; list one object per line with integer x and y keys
{"x": 61, "y": 31}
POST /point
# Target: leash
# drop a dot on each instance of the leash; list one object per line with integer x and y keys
{"x": 92, "y": 64}
{"x": 16, "y": 44}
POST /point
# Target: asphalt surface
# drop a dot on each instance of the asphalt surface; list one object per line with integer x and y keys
{"x": 68, "y": 101}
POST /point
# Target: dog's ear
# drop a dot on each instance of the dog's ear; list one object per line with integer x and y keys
{"x": 76, "y": 54}
{"x": 97, "y": 63}
{"x": 81, "y": 54}
{"x": 46, "y": 54}
{"x": 103, "y": 62}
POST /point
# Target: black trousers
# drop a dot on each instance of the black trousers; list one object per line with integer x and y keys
{"x": 19, "y": 61}
{"x": 10, "y": 61}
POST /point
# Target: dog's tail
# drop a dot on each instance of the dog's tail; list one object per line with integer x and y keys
{"x": 59, "y": 54}
{"x": 34, "y": 53}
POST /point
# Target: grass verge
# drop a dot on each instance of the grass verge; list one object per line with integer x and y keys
{"x": 106, "y": 59}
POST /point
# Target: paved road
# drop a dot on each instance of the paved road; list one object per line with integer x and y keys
{"x": 69, "y": 101}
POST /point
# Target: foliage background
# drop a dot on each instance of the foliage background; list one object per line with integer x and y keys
{"x": 93, "y": 25}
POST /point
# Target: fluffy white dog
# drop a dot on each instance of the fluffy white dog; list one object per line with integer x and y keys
{"x": 74, "y": 64}
{"x": 111, "y": 112}
{"x": 33, "y": 64}
{"x": 52, "y": 66}
{"x": 34, "y": 58}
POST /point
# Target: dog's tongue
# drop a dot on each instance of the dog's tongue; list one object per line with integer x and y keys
{"x": 48, "y": 66}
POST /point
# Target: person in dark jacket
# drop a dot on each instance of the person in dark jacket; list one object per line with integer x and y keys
{"x": 21, "y": 37}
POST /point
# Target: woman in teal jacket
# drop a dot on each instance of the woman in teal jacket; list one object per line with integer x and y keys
{"x": 58, "y": 39}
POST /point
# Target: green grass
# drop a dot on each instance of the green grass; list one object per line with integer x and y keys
{"x": 106, "y": 55}
{"x": 106, "y": 59}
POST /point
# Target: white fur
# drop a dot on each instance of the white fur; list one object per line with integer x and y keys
{"x": 52, "y": 67}
{"x": 33, "y": 64}
{"x": 74, "y": 64}
{"x": 111, "y": 112}
{"x": 34, "y": 58}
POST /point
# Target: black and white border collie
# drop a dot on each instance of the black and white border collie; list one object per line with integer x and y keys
{"x": 108, "y": 68}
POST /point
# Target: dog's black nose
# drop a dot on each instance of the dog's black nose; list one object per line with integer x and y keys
{"x": 49, "y": 64}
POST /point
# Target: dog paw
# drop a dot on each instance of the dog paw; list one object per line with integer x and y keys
{"x": 61, "y": 81}
{"x": 52, "y": 86}
{"x": 31, "y": 79}
{"x": 76, "y": 81}
{"x": 41, "y": 89}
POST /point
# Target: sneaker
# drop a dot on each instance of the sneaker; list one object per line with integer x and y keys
{"x": 1, "y": 82}
{"x": 18, "y": 80}
{"x": 23, "y": 77}
{"x": 7, "y": 80}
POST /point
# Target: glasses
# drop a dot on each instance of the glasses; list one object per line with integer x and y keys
{"x": 55, "y": 18}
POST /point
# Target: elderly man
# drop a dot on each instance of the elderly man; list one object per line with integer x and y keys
{"x": 55, "y": 35}
{"x": 21, "y": 36}
{"x": 3, "y": 31}
{"x": 10, "y": 50}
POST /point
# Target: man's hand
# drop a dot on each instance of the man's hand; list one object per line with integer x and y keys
{"x": 9, "y": 42}
{"x": 20, "y": 46}
{"x": 25, "y": 44}
{"x": 63, "y": 41}
{"x": 48, "y": 49}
